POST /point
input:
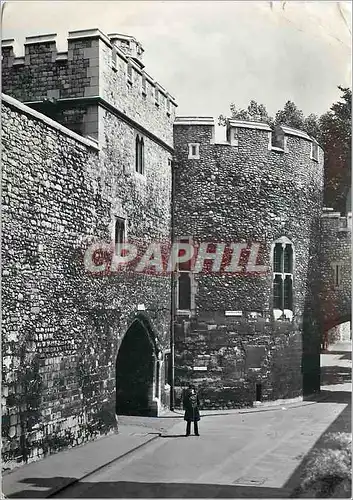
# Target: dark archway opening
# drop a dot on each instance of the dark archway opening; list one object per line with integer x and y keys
{"x": 134, "y": 372}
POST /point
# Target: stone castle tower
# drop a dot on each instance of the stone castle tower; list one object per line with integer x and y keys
{"x": 245, "y": 336}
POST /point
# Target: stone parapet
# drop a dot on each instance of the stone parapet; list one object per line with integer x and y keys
{"x": 94, "y": 65}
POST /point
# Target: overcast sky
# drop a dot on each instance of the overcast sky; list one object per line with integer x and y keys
{"x": 210, "y": 53}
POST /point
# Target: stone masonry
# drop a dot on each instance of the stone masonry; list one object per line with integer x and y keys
{"x": 72, "y": 123}
{"x": 62, "y": 327}
{"x": 335, "y": 268}
{"x": 248, "y": 190}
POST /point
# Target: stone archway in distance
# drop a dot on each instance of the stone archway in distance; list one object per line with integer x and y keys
{"x": 333, "y": 323}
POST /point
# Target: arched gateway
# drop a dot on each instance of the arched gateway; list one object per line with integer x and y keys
{"x": 137, "y": 371}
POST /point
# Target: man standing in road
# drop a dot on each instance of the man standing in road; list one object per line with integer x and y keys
{"x": 191, "y": 406}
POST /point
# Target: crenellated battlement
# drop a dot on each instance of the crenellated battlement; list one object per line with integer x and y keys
{"x": 334, "y": 221}
{"x": 124, "y": 47}
{"x": 241, "y": 135}
{"x": 95, "y": 65}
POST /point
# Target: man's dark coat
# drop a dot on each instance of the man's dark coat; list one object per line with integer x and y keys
{"x": 191, "y": 405}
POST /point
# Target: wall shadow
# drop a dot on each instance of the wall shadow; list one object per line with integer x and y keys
{"x": 335, "y": 397}
{"x": 312, "y": 312}
{"x": 328, "y": 481}
{"x": 332, "y": 375}
{"x": 173, "y": 436}
{"x": 129, "y": 489}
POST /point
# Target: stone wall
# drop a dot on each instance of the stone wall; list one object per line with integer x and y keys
{"x": 62, "y": 327}
{"x": 335, "y": 267}
{"x": 247, "y": 190}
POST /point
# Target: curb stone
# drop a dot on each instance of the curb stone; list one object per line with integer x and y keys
{"x": 270, "y": 407}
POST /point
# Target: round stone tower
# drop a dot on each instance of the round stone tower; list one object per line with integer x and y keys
{"x": 247, "y": 331}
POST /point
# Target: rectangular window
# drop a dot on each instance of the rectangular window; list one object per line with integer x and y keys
{"x": 288, "y": 302}
{"x": 144, "y": 89}
{"x": 314, "y": 151}
{"x": 114, "y": 58}
{"x": 235, "y": 141}
{"x": 258, "y": 392}
{"x": 156, "y": 393}
{"x": 156, "y": 96}
{"x": 194, "y": 151}
{"x": 142, "y": 165}
{"x": 139, "y": 155}
{"x": 129, "y": 72}
{"x": 168, "y": 368}
{"x": 119, "y": 231}
{"x": 288, "y": 259}
{"x": 184, "y": 291}
{"x": 184, "y": 284}
{"x": 277, "y": 258}
{"x": 337, "y": 274}
{"x": 277, "y": 138}
{"x": 185, "y": 266}
{"x": 277, "y": 292}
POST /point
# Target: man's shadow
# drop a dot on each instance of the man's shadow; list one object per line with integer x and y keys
{"x": 173, "y": 436}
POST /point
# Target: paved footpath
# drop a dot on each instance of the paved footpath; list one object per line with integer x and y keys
{"x": 253, "y": 454}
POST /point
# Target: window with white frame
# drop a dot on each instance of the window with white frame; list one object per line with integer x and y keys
{"x": 277, "y": 138}
{"x": 283, "y": 277}
{"x": 194, "y": 151}
{"x": 235, "y": 138}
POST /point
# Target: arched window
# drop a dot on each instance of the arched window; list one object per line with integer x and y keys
{"x": 282, "y": 266}
{"x": 139, "y": 155}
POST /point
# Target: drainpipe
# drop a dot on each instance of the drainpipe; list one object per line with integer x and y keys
{"x": 173, "y": 288}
